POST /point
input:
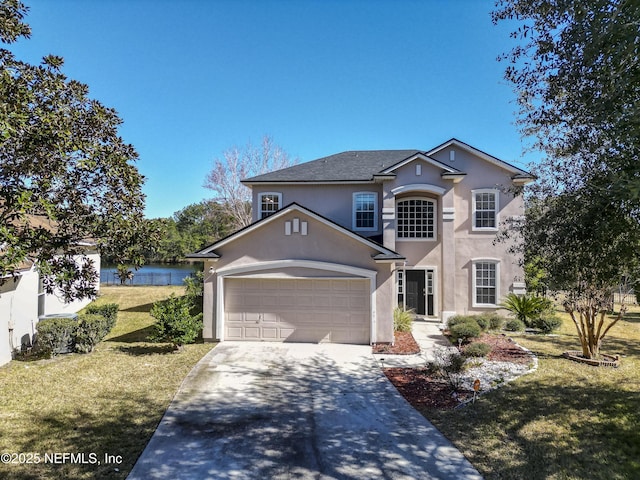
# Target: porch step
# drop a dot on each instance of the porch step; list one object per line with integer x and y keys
{"x": 432, "y": 320}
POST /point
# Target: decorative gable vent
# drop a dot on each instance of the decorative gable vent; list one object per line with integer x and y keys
{"x": 296, "y": 226}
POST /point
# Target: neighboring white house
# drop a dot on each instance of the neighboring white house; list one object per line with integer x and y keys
{"x": 23, "y": 301}
{"x": 338, "y": 242}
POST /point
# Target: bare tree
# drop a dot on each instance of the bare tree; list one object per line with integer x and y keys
{"x": 239, "y": 163}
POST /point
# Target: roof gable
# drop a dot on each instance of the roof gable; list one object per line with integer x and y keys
{"x": 517, "y": 172}
{"x": 209, "y": 252}
{"x": 423, "y": 157}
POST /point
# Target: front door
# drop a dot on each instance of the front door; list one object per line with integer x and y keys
{"x": 415, "y": 291}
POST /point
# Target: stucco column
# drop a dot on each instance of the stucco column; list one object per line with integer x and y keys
{"x": 388, "y": 217}
{"x": 448, "y": 274}
{"x": 209, "y": 302}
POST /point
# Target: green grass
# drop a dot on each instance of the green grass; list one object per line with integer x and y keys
{"x": 109, "y": 401}
{"x": 565, "y": 421}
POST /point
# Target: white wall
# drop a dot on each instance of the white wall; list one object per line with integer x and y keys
{"x": 55, "y": 304}
{"x": 18, "y": 313}
{"x": 19, "y": 309}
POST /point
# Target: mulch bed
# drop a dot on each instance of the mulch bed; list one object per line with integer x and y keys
{"x": 405, "y": 344}
{"x": 504, "y": 349}
{"x": 424, "y": 391}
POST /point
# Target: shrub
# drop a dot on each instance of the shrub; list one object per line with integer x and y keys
{"x": 448, "y": 364}
{"x": 547, "y": 323}
{"x": 194, "y": 291}
{"x": 465, "y": 330}
{"x": 477, "y": 349}
{"x": 90, "y": 330}
{"x": 175, "y": 321}
{"x": 496, "y": 321}
{"x": 108, "y": 310}
{"x": 56, "y": 335}
{"x": 525, "y": 308}
{"x": 402, "y": 320}
{"x": 483, "y": 322}
{"x": 456, "y": 319}
{"x": 514, "y": 325}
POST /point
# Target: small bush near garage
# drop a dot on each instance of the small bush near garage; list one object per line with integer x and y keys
{"x": 477, "y": 349}
{"x": 402, "y": 320}
{"x": 514, "y": 325}
{"x": 90, "y": 330}
{"x": 176, "y": 322}
{"x": 56, "y": 335}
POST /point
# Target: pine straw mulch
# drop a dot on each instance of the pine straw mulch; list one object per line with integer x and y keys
{"x": 405, "y": 344}
{"x": 425, "y": 391}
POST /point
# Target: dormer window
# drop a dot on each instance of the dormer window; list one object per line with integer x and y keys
{"x": 485, "y": 209}
{"x": 365, "y": 211}
{"x": 270, "y": 203}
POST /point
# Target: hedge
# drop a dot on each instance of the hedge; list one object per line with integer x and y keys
{"x": 65, "y": 335}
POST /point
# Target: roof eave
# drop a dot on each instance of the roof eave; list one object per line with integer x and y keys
{"x": 383, "y": 177}
{"x": 204, "y": 256}
{"x": 456, "y": 177}
{"x": 523, "y": 179}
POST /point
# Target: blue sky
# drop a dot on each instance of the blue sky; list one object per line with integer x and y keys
{"x": 192, "y": 78}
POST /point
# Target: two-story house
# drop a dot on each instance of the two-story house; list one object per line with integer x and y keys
{"x": 337, "y": 243}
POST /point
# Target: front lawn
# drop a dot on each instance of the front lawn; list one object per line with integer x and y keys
{"x": 106, "y": 402}
{"x": 565, "y": 421}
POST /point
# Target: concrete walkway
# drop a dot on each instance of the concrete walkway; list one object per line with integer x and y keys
{"x": 295, "y": 411}
{"x": 428, "y": 334}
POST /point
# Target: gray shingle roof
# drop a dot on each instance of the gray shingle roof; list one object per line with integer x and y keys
{"x": 345, "y": 166}
{"x": 362, "y": 165}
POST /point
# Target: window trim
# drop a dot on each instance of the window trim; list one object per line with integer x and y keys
{"x": 496, "y": 209}
{"x": 433, "y": 238}
{"x": 261, "y": 212}
{"x": 354, "y": 212}
{"x": 474, "y": 278}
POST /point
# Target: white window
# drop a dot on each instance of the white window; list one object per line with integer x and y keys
{"x": 485, "y": 209}
{"x": 486, "y": 283}
{"x": 416, "y": 218}
{"x": 269, "y": 203}
{"x": 365, "y": 211}
{"x": 42, "y": 298}
{"x": 400, "y": 287}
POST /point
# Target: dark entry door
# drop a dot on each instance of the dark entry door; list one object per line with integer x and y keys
{"x": 415, "y": 289}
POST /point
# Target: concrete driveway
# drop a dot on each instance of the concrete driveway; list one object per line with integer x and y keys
{"x": 295, "y": 411}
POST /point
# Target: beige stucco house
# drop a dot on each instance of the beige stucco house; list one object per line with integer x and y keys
{"x": 337, "y": 243}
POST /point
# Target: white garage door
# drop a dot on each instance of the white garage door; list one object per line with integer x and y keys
{"x": 298, "y": 310}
